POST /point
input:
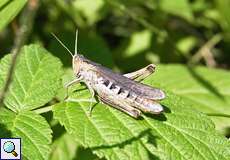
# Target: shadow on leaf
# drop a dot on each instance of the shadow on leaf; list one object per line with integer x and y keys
{"x": 58, "y": 131}
{"x": 227, "y": 131}
{"x": 85, "y": 153}
{"x": 166, "y": 109}
{"x": 161, "y": 116}
{"x": 151, "y": 139}
{"x": 205, "y": 83}
{"x": 5, "y": 5}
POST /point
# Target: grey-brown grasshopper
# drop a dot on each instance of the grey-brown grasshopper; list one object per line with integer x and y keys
{"x": 122, "y": 92}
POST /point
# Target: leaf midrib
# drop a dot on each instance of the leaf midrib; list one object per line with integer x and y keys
{"x": 14, "y": 129}
{"x": 32, "y": 76}
{"x": 36, "y": 147}
{"x": 129, "y": 131}
{"x": 96, "y": 127}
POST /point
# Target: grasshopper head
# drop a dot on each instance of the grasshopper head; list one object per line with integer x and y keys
{"x": 80, "y": 63}
{"x": 77, "y": 63}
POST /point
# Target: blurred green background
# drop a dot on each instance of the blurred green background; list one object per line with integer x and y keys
{"x": 128, "y": 34}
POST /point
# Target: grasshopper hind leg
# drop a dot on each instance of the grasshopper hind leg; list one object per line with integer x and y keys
{"x": 141, "y": 74}
{"x": 133, "y": 112}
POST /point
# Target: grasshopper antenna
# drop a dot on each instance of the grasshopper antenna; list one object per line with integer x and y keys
{"x": 76, "y": 42}
{"x": 62, "y": 43}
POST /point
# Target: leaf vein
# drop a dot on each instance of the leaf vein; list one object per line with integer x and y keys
{"x": 178, "y": 129}
{"x": 98, "y": 130}
{"x": 162, "y": 135}
{"x": 32, "y": 141}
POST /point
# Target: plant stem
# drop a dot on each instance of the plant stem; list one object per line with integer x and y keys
{"x": 135, "y": 17}
{"x": 205, "y": 52}
{"x": 43, "y": 110}
{"x": 161, "y": 33}
{"x": 26, "y": 22}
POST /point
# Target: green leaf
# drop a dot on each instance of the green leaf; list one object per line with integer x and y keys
{"x": 35, "y": 81}
{"x": 223, "y": 9}
{"x": 32, "y": 129}
{"x": 63, "y": 148}
{"x": 84, "y": 12}
{"x": 89, "y": 9}
{"x": 3, "y": 2}
{"x": 178, "y": 7}
{"x": 139, "y": 42}
{"x": 8, "y": 10}
{"x": 207, "y": 90}
{"x": 66, "y": 148}
{"x": 179, "y": 133}
{"x": 186, "y": 44}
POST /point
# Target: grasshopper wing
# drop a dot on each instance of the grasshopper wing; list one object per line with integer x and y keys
{"x": 131, "y": 85}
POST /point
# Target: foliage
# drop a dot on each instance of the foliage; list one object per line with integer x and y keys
{"x": 34, "y": 82}
{"x": 206, "y": 89}
{"x": 180, "y": 133}
{"x": 124, "y": 36}
{"x": 8, "y": 10}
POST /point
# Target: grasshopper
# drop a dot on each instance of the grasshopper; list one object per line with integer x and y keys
{"x": 123, "y": 92}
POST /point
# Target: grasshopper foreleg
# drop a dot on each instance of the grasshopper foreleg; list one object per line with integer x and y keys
{"x": 77, "y": 80}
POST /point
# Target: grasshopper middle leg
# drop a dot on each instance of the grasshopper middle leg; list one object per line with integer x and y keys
{"x": 92, "y": 92}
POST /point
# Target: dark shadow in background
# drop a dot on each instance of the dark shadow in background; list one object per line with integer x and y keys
{"x": 90, "y": 46}
{"x": 4, "y": 132}
{"x": 147, "y": 132}
{"x": 205, "y": 83}
{"x": 58, "y": 129}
